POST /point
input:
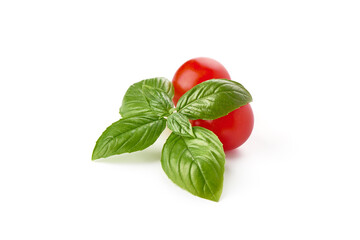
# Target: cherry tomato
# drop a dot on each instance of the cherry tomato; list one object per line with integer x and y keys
{"x": 233, "y": 129}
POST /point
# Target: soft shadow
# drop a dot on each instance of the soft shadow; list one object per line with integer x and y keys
{"x": 145, "y": 156}
{"x": 231, "y": 170}
{"x": 133, "y": 158}
{"x": 233, "y": 154}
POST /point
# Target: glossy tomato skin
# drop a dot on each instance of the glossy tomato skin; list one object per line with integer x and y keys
{"x": 196, "y": 71}
{"x": 233, "y": 129}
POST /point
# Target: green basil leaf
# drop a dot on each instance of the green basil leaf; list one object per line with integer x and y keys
{"x": 159, "y": 102}
{"x": 134, "y": 102}
{"x": 179, "y": 124}
{"x": 213, "y": 99}
{"x": 195, "y": 164}
{"x": 128, "y": 135}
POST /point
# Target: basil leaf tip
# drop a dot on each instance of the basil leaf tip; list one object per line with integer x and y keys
{"x": 128, "y": 135}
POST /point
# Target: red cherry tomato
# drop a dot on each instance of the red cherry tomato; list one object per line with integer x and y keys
{"x": 233, "y": 129}
{"x": 196, "y": 71}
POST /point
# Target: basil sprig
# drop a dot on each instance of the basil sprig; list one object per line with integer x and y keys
{"x": 192, "y": 157}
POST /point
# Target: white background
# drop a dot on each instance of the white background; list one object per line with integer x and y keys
{"x": 65, "y": 65}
